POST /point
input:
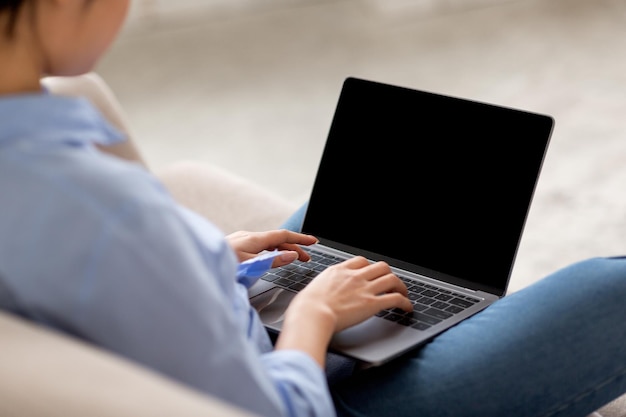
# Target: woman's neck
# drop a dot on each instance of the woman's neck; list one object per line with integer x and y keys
{"x": 16, "y": 80}
{"x": 20, "y": 71}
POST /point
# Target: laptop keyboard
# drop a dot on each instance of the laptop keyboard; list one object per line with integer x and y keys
{"x": 431, "y": 304}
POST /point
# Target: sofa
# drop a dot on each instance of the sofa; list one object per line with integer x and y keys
{"x": 46, "y": 373}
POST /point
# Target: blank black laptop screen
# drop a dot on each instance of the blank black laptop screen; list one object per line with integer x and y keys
{"x": 437, "y": 184}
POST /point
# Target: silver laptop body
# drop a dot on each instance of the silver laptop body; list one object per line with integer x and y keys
{"x": 437, "y": 186}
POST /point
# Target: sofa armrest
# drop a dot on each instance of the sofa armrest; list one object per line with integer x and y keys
{"x": 44, "y": 373}
{"x": 92, "y": 87}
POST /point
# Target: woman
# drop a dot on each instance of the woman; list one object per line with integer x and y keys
{"x": 92, "y": 245}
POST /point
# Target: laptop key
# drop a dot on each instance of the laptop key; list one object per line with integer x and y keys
{"x": 454, "y": 309}
{"x": 426, "y": 319}
{"x": 301, "y": 270}
{"x": 283, "y": 273}
{"x": 438, "y": 313}
{"x": 297, "y": 286}
{"x": 461, "y": 303}
{"x": 270, "y": 277}
{"x": 419, "y": 307}
{"x": 413, "y": 296}
{"x": 440, "y": 305}
{"x": 407, "y": 321}
{"x": 443, "y": 297}
{"x": 426, "y": 300}
{"x": 393, "y": 317}
{"x": 420, "y": 326}
{"x": 284, "y": 282}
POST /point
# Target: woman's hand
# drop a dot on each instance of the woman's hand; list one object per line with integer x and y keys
{"x": 341, "y": 296}
{"x": 247, "y": 245}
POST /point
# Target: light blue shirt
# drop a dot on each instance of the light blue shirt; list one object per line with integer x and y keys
{"x": 95, "y": 247}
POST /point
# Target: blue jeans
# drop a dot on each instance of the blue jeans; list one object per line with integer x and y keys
{"x": 554, "y": 348}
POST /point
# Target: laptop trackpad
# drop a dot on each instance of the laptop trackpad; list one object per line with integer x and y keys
{"x": 271, "y": 306}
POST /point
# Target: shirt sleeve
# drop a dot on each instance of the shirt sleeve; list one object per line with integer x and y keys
{"x": 162, "y": 291}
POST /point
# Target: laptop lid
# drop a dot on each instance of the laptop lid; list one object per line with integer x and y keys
{"x": 437, "y": 185}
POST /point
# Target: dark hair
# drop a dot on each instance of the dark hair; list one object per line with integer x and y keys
{"x": 12, "y": 9}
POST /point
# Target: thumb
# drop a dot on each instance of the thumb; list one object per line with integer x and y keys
{"x": 285, "y": 257}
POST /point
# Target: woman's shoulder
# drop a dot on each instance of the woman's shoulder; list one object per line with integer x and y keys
{"x": 109, "y": 182}
{"x": 84, "y": 180}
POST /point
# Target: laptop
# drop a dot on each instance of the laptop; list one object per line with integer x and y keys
{"x": 439, "y": 187}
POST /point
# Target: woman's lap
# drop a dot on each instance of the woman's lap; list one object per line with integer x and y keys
{"x": 553, "y": 349}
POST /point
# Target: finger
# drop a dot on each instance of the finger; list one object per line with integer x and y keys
{"x": 237, "y": 235}
{"x": 274, "y": 238}
{"x": 394, "y": 300}
{"x": 289, "y": 241}
{"x": 286, "y": 257}
{"x": 388, "y": 283}
{"x": 302, "y": 255}
{"x": 376, "y": 270}
{"x": 356, "y": 262}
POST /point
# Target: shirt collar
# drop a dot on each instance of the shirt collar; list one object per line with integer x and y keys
{"x": 44, "y": 116}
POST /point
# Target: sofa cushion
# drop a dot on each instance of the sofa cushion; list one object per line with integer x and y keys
{"x": 230, "y": 202}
